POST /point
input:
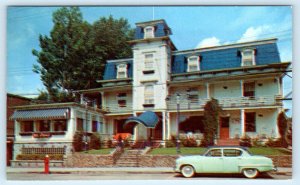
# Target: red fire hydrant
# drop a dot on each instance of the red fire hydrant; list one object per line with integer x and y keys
{"x": 46, "y": 164}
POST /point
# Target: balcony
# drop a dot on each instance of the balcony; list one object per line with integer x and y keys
{"x": 118, "y": 108}
{"x": 234, "y": 102}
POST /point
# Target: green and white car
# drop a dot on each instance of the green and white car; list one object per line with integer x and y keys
{"x": 224, "y": 160}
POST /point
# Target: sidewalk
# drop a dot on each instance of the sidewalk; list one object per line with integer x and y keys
{"x": 111, "y": 169}
{"x": 96, "y": 169}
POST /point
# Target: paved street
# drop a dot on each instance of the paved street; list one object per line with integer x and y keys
{"x": 130, "y": 176}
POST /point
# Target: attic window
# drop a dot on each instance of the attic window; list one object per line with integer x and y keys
{"x": 248, "y": 57}
{"x": 149, "y": 32}
{"x": 122, "y": 71}
{"x": 193, "y": 64}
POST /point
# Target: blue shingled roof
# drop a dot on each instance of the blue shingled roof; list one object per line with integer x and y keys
{"x": 148, "y": 118}
{"x": 110, "y": 71}
{"x": 225, "y": 58}
{"x": 160, "y": 31}
{"x": 40, "y": 114}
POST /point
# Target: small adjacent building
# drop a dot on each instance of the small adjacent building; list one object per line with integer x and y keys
{"x": 50, "y": 128}
{"x": 11, "y": 101}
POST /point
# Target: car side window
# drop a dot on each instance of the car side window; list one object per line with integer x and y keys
{"x": 232, "y": 152}
{"x": 214, "y": 153}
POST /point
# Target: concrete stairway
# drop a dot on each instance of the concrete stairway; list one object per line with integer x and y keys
{"x": 130, "y": 158}
{"x": 228, "y": 142}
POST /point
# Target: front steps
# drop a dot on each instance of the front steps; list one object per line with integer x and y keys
{"x": 130, "y": 158}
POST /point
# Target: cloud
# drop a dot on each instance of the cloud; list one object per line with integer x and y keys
{"x": 255, "y": 33}
{"x": 208, "y": 42}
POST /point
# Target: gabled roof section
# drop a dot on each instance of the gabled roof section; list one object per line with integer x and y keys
{"x": 110, "y": 72}
{"x": 227, "y": 56}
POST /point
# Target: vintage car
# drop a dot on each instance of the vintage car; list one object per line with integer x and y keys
{"x": 224, "y": 160}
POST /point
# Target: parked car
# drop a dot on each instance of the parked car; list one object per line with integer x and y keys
{"x": 224, "y": 160}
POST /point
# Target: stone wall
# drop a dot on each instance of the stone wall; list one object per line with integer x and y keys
{"x": 157, "y": 160}
{"x": 89, "y": 160}
{"x": 282, "y": 160}
{"x": 93, "y": 160}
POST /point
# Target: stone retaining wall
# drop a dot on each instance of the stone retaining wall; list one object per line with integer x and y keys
{"x": 35, "y": 163}
{"x": 282, "y": 160}
{"x": 89, "y": 160}
{"x": 93, "y": 160}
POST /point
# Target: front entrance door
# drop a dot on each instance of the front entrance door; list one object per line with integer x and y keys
{"x": 224, "y": 127}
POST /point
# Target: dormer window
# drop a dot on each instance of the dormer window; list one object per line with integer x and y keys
{"x": 122, "y": 71}
{"x": 149, "y": 32}
{"x": 193, "y": 64}
{"x": 248, "y": 57}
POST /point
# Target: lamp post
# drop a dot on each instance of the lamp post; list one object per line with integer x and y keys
{"x": 178, "y": 120}
{"x": 86, "y": 127}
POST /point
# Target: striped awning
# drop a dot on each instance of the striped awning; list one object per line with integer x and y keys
{"x": 61, "y": 113}
{"x": 149, "y": 119}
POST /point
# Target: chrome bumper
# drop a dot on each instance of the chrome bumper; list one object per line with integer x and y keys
{"x": 275, "y": 169}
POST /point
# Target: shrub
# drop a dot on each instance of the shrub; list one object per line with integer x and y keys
{"x": 189, "y": 142}
{"x": 273, "y": 142}
{"x": 95, "y": 142}
{"x": 78, "y": 141}
{"x": 170, "y": 143}
{"x": 257, "y": 142}
{"x": 245, "y": 141}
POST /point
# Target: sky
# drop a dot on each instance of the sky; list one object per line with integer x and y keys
{"x": 192, "y": 27}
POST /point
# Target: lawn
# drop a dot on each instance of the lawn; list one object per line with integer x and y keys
{"x": 199, "y": 150}
{"x": 103, "y": 151}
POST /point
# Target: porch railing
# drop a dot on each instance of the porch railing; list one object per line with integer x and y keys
{"x": 228, "y": 102}
{"x": 117, "y": 108}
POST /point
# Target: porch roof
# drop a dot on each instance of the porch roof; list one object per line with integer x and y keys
{"x": 57, "y": 113}
{"x": 149, "y": 119}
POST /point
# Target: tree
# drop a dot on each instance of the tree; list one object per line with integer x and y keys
{"x": 74, "y": 55}
{"x": 282, "y": 123}
{"x": 211, "y": 121}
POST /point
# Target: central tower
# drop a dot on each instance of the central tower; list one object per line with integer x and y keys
{"x": 152, "y": 50}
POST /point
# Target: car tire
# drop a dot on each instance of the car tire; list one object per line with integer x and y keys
{"x": 250, "y": 173}
{"x": 188, "y": 171}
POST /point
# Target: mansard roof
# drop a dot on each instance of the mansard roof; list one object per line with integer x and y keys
{"x": 110, "y": 71}
{"x": 227, "y": 56}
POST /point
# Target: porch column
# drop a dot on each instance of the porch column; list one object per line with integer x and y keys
{"x": 168, "y": 125}
{"x": 81, "y": 99}
{"x": 164, "y": 125}
{"x": 136, "y": 130}
{"x": 208, "y": 91}
{"x": 278, "y": 79}
{"x": 242, "y": 87}
{"x": 103, "y": 106}
{"x": 242, "y": 122}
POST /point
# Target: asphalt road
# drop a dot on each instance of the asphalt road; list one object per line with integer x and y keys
{"x": 132, "y": 176}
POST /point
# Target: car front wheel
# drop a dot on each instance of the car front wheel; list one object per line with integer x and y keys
{"x": 250, "y": 173}
{"x": 187, "y": 171}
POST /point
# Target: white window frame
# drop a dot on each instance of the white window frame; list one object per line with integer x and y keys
{"x": 148, "y": 32}
{"x": 248, "y": 59}
{"x": 122, "y": 68}
{"x": 149, "y": 62}
{"x": 193, "y": 61}
{"x": 194, "y": 92}
{"x": 149, "y": 94}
